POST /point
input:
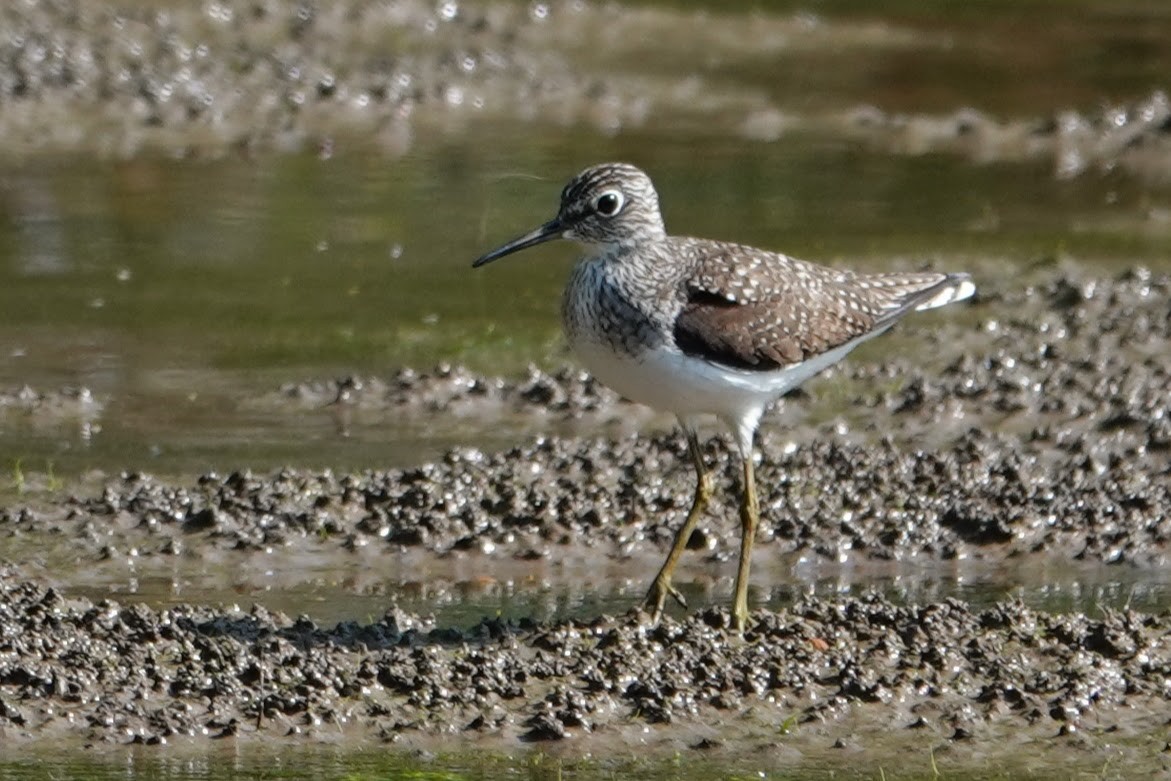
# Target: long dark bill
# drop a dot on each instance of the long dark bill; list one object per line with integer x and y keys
{"x": 550, "y": 230}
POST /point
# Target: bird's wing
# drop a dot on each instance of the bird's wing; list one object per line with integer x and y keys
{"x": 755, "y": 310}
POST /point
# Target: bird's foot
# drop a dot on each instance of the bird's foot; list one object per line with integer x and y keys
{"x": 740, "y": 615}
{"x": 656, "y": 597}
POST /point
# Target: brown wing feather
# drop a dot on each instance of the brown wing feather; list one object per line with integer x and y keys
{"x": 762, "y": 311}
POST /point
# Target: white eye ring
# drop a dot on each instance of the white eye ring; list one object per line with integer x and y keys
{"x": 609, "y": 203}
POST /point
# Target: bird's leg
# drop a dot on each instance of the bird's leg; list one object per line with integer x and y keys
{"x": 749, "y": 515}
{"x": 661, "y": 586}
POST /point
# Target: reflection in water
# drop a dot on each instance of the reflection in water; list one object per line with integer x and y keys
{"x": 329, "y": 591}
{"x": 37, "y": 229}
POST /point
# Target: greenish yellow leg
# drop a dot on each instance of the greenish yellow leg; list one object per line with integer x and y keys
{"x": 661, "y": 587}
{"x": 749, "y": 516}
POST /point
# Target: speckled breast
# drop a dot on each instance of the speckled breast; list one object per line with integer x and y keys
{"x": 598, "y": 310}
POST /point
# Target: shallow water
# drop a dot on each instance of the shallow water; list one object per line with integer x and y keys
{"x": 333, "y": 588}
{"x": 177, "y": 310}
{"x": 180, "y": 291}
{"x": 535, "y": 764}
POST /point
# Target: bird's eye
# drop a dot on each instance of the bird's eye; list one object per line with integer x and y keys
{"x": 609, "y": 203}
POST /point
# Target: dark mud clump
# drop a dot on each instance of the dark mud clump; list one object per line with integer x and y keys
{"x": 1074, "y": 353}
{"x": 455, "y": 390}
{"x": 987, "y": 497}
{"x": 105, "y": 672}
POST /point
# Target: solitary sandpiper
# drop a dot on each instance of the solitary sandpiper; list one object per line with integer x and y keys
{"x": 695, "y": 326}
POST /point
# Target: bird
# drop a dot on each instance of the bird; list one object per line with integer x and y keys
{"x": 698, "y": 327}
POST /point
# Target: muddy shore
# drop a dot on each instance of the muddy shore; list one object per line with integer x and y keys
{"x": 940, "y": 673}
{"x": 1071, "y": 365}
{"x": 122, "y": 79}
{"x": 1040, "y": 433}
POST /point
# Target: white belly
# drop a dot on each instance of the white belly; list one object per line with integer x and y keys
{"x": 668, "y": 380}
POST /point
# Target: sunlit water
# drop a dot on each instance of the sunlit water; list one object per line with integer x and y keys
{"x": 178, "y": 311}
{"x": 179, "y": 292}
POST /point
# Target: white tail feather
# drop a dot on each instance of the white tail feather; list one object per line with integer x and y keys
{"x": 963, "y": 288}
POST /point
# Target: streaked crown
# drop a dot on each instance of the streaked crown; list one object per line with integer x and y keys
{"x": 611, "y": 203}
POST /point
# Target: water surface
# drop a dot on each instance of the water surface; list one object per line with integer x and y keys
{"x": 177, "y": 310}
{"x": 180, "y": 291}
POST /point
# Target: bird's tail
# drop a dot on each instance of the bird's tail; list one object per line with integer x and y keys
{"x": 955, "y": 287}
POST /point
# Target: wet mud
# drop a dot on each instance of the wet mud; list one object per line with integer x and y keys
{"x": 106, "y": 672}
{"x": 1038, "y": 429}
{"x": 119, "y": 79}
{"x": 451, "y": 391}
{"x": 1044, "y": 440}
{"x": 44, "y": 408}
{"x": 1134, "y": 137}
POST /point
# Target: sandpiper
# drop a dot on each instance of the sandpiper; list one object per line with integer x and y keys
{"x": 700, "y": 327}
